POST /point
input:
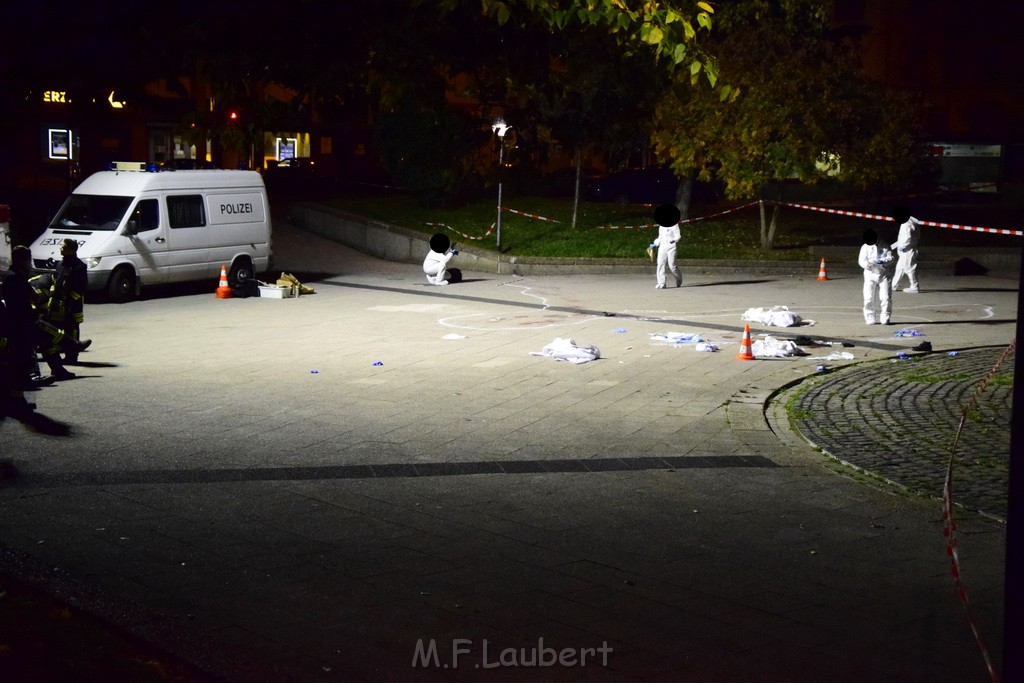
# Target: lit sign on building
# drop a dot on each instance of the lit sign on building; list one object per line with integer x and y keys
{"x": 286, "y": 148}
{"x": 56, "y": 97}
{"x": 60, "y": 143}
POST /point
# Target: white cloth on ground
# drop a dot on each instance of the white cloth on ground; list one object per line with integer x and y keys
{"x": 569, "y": 350}
{"x": 776, "y": 316}
{"x": 676, "y": 337}
{"x": 770, "y": 347}
{"x": 835, "y": 355}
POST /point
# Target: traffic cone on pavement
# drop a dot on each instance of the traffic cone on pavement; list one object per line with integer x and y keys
{"x": 224, "y": 291}
{"x": 822, "y": 275}
{"x": 746, "y": 350}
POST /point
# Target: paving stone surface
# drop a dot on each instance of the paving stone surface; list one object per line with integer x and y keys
{"x": 322, "y": 489}
{"x": 902, "y": 419}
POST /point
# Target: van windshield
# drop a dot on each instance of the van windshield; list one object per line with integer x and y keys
{"x": 91, "y": 212}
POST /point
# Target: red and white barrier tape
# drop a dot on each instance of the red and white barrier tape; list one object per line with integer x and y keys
{"x": 997, "y": 231}
{"x": 687, "y": 220}
{"x": 949, "y": 525}
{"x": 716, "y": 215}
{"x": 468, "y": 237}
{"x": 857, "y": 214}
{"x": 529, "y": 215}
{"x": 491, "y": 229}
{"x": 839, "y": 212}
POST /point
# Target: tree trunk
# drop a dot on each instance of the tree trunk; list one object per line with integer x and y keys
{"x": 768, "y": 232}
{"x": 684, "y": 197}
{"x": 764, "y": 226}
{"x": 770, "y": 244}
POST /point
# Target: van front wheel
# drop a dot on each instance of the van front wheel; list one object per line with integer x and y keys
{"x": 241, "y": 271}
{"x": 121, "y": 287}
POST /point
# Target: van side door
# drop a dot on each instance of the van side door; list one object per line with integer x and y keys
{"x": 189, "y": 237}
{"x": 146, "y": 241}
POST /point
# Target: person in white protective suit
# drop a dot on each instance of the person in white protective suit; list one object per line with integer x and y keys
{"x": 436, "y": 263}
{"x": 667, "y": 217}
{"x": 905, "y": 247}
{"x": 877, "y": 261}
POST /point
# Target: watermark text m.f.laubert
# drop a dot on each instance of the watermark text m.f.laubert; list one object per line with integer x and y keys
{"x": 485, "y": 655}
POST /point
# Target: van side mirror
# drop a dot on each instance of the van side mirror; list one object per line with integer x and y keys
{"x": 133, "y": 227}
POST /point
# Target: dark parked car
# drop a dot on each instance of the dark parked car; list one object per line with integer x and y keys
{"x": 652, "y": 185}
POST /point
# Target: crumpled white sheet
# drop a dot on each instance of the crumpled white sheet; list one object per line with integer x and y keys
{"x": 568, "y": 350}
{"x": 770, "y": 347}
{"x": 677, "y": 338}
{"x": 776, "y": 316}
{"x": 835, "y": 355}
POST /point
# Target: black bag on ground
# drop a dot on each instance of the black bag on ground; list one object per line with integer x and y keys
{"x": 247, "y": 288}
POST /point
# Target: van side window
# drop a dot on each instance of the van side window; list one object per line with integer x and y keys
{"x": 146, "y": 215}
{"x": 186, "y": 211}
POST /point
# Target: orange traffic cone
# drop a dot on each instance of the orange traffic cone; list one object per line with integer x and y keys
{"x": 822, "y": 275}
{"x": 746, "y": 350}
{"x": 224, "y": 291}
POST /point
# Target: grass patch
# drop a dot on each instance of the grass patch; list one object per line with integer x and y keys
{"x": 731, "y": 236}
{"x": 735, "y": 236}
{"x": 1002, "y": 379}
{"x": 794, "y": 411}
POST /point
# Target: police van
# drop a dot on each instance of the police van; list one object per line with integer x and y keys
{"x": 136, "y": 226}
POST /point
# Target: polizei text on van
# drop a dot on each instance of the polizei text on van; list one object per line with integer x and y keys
{"x": 240, "y": 207}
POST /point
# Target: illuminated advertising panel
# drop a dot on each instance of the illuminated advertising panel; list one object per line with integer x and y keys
{"x": 286, "y": 148}
{"x": 60, "y": 143}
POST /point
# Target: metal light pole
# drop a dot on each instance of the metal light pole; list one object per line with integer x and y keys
{"x": 500, "y": 128}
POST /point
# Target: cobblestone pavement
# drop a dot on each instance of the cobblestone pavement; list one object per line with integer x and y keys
{"x": 898, "y": 419}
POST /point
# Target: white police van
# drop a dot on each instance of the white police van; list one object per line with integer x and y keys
{"x": 136, "y": 226}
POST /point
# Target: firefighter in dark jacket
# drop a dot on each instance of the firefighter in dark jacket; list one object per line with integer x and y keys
{"x": 21, "y": 318}
{"x": 27, "y": 330}
{"x": 66, "y": 306}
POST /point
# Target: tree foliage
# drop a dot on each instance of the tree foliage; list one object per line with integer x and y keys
{"x": 791, "y": 103}
{"x": 670, "y": 27}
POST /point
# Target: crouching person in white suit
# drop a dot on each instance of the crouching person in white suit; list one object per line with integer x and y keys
{"x": 436, "y": 263}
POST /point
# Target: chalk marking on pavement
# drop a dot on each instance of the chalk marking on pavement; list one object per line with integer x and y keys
{"x": 450, "y": 322}
{"x": 544, "y": 304}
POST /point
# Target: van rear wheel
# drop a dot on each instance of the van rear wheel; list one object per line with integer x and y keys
{"x": 241, "y": 271}
{"x": 121, "y": 286}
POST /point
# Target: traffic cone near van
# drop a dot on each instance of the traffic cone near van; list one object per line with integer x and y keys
{"x": 224, "y": 290}
{"x": 746, "y": 349}
{"x": 822, "y": 275}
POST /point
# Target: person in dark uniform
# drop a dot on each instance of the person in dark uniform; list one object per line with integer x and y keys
{"x": 20, "y": 320}
{"x": 25, "y": 328}
{"x": 66, "y": 306}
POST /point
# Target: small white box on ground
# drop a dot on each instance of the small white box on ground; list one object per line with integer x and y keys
{"x": 275, "y": 292}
